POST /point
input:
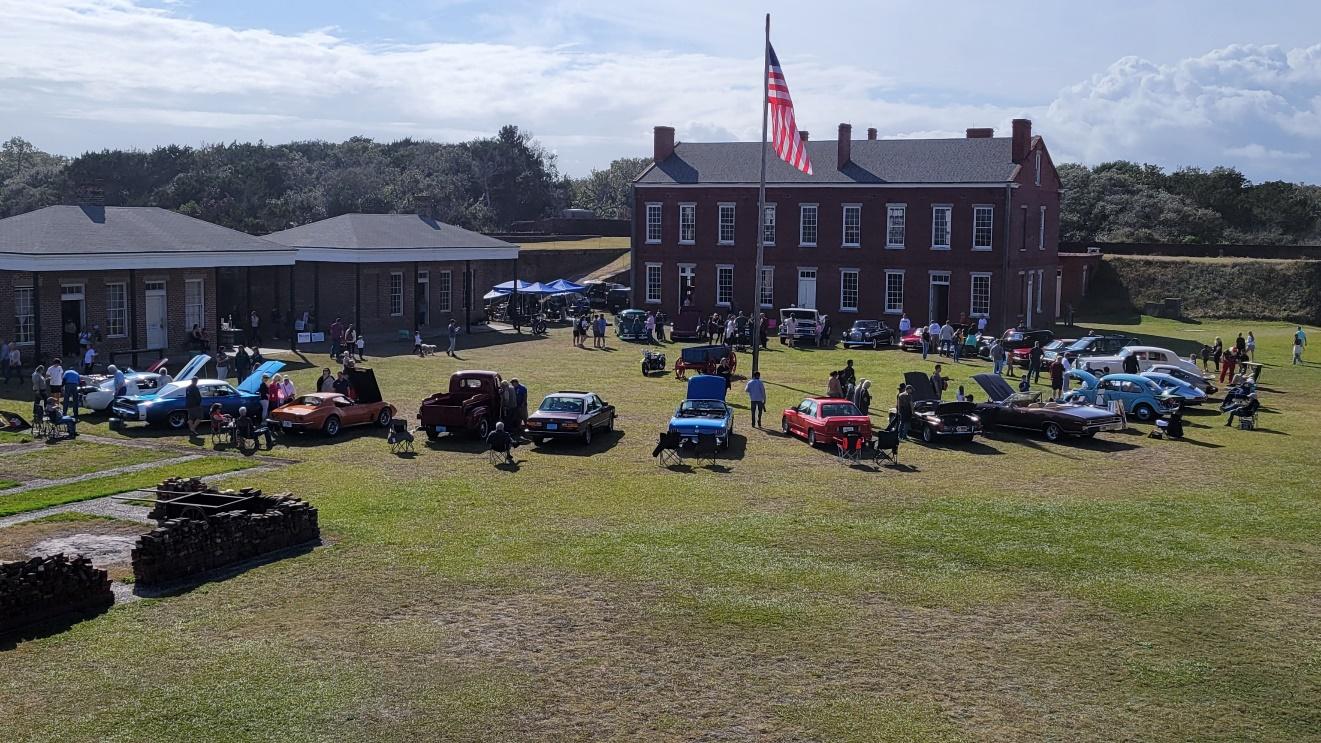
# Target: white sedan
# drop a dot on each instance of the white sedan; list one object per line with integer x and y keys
{"x": 1147, "y": 356}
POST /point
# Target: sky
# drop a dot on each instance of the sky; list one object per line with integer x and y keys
{"x": 1173, "y": 83}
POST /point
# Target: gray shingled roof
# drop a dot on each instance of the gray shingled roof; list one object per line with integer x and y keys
{"x": 383, "y": 232}
{"x": 102, "y": 230}
{"x": 987, "y": 160}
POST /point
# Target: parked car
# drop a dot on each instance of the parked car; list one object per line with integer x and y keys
{"x": 1147, "y": 356}
{"x": 1141, "y": 396}
{"x": 704, "y": 360}
{"x": 570, "y": 415}
{"x": 1094, "y": 344}
{"x": 472, "y": 404}
{"x": 1196, "y": 379}
{"x": 912, "y": 341}
{"x": 688, "y": 326}
{"x": 1186, "y": 393}
{"x": 825, "y": 420}
{"x": 97, "y": 391}
{"x": 936, "y": 419}
{"x": 631, "y": 325}
{"x": 566, "y": 305}
{"x": 331, "y": 412}
{"x": 170, "y": 407}
{"x": 1055, "y": 349}
{"x": 1006, "y": 408}
{"x": 1017, "y": 342}
{"x": 618, "y": 299}
{"x": 868, "y": 334}
{"x": 704, "y": 411}
{"x": 652, "y": 361}
{"x": 598, "y": 292}
{"x": 807, "y": 325}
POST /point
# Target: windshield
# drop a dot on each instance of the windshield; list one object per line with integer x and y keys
{"x": 562, "y": 405}
{"x": 1053, "y": 346}
{"x": 632, "y": 321}
{"x": 309, "y": 401}
{"x": 865, "y": 325}
{"x": 1081, "y": 344}
{"x": 1023, "y": 399}
{"x": 702, "y": 409}
{"x": 839, "y": 409}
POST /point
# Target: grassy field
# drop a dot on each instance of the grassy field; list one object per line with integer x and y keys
{"x": 72, "y": 458}
{"x": 1123, "y": 588}
{"x": 96, "y": 487}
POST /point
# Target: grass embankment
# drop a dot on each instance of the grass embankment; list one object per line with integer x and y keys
{"x": 1212, "y": 287}
{"x": 58, "y": 495}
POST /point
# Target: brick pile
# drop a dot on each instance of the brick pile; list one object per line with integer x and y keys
{"x": 47, "y": 588}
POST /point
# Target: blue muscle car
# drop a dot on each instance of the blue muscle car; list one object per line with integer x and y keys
{"x": 705, "y": 412}
{"x": 169, "y": 404}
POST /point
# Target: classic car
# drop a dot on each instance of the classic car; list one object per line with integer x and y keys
{"x": 825, "y": 420}
{"x": 912, "y": 341}
{"x": 570, "y": 415}
{"x": 597, "y": 292}
{"x": 1196, "y": 379}
{"x": 1006, "y": 408}
{"x": 1055, "y": 349}
{"x": 618, "y": 299}
{"x": 688, "y": 326}
{"x": 98, "y": 390}
{"x": 868, "y": 334}
{"x": 631, "y": 325}
{"x": 704, "y": 412}
{"x": 472, "y": 404}
{"x": 1093, "y": 344}
{"x": 652, "y": 361}
{"x": 331, "y": 412}
{"x": 704, "y": 360}
{"x": 1014, "y": 341}
{"x": 169, "y": 405}
{"x": 807, "y": 325}
{"x": 1187, "y": 393}
{"x": 1147, "y": 356}
{"x": 934, "y": 418}
{"x": 1141, "y": 396}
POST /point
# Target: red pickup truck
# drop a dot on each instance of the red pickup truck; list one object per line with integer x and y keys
{"x": 472, "y": 404}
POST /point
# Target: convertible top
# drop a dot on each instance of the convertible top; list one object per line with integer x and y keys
{"x": 995, "y": 387}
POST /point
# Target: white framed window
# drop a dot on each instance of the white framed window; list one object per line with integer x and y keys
{"x": 653, "y": 283}
{"x": 24, "y": 318}
{"x": 980, "y": 301}
{"x": 116, "y": 310}
{"x": 768, "y": 225}
{"x": 194, "y": 303}
{"x": 153, "y": 286}
{"x": 896, "y": 215}
{"x": 807, "y": 225}
{"x": 687, "y": 224}
{"x": 940, "y": 226}
{"x": 726, "y": 215}
{"x": 724, "y": 285}
{"x": 1041, "y": 231}
{"x": 654, "y": 212}
{"x": 767, "y": 286}
{"x": 396, "y": 294}
{"x": 1037, "y": 168}
{"x": 894, "y": 292}
{"x": 444, "y": 284}
{"x": 1041, "y": 279}
{"x": 848, "y": 290}
{"x": 852, "y": 225}
{"x": 983, "y": 226}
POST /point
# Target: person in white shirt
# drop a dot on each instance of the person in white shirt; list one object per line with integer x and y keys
{"x": 981, "y": 325}
{"x": 89, "y": 359}
{"x": 946, "y": 339}
{"x": 905, "y": 325}
{"x": 55, "y": 373}
{"x": 1067, "y": 366}
{"x": 934, "y": 329}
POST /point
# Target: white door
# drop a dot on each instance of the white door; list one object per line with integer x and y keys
{"x": 1028, "y": 300}
{"x": 807, "y": 288}
{"x": 156, "y": 336}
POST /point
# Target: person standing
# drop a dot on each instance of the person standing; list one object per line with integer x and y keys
{"x": 1056, "y": 378}
{"x": 956, "y": 345}
{"x": 89, "y": 359}
{"x": 121, "y": 382}
{"x": 1252, "y": 345}
{"x": 55, "y": 373}
{"x": 254, "y": 328}
{"x": 905, "y": 325}
{"x": 903, "y": 409}
{"x": 981, "y": 325}
{"x": 926, "y": 342}
{"x": 242, "y": 363}
{"x": 847, "y": 375}
{"x": 222, "y": 364}
{"x": 756, "y": 390}
{"x": 520, "y": 406}
{"x": 1131, "y": 365}
{"x": 341, "y": 384}
{"x": 651, "y": 326}
{"x": 731, "y": 328}
{"x": 40, "y": 384}
{"x": 833, "y": 386}
{"x": 72, "y": 379}
{"x": 790, "y": 330}
{"x": 326, "y": 382}
{"x": 1034, "y": 362}
{"x": 15, "y": 367}
{"x": 1217, "y": 352}
{"x": 193, "y": 402}
{"x": 1227, "y": 365}
{"x": 862, "y": 397}
{"x": 1299, "y": 344}
{"x": 264, "y": 395}
{"x": 997, "y": 356}
{"x": 939, "y": 382}
{"x": 453, "y": 332}
{"x": 417, "y": 341}
{"x": 946, "y": 339}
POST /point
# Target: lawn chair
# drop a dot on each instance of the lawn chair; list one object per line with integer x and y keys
{"x": 42, "y": 428}
{"x": 222, "y": 432}
{"x": 667, "y": 449}
{"x": 400, "y": 438}
{"x": 1247, "y": 422}
{"x": 885, "y": 445}
{"x": 704, "y": 451}
{"x": 850, "y": 449}
{"x": 501, "y": 455}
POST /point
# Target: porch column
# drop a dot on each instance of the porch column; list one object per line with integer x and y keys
{"x": 467, "y": 296}
{"x": 316, "y": 292}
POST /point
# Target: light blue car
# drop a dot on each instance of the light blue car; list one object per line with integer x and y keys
{"x": 1142, "y": 397}
{"x": 705, "y": 412}
{"x": 1187, "y": 393}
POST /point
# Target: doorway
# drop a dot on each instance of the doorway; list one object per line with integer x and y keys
{"x": 938, "y": 298}
{"x": 686, "y": 284}
{"x": 154, "y": 309}
{"x": 421, "y": 298}
{"x": 807, "y": 288}
{"x": 73, "y": 315}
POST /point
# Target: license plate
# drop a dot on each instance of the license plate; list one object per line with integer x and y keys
{"x": 1116, "y": 426}
{"x": 846, "y": 429}
{"x": 552, "y": 426}
{"x": 963, "y": 429}
{"x": 440, "y": 429}
{"x": 287, "y": 424}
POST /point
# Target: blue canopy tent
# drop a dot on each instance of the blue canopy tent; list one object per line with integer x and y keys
{"x": 564, "y": 285}
{"x": 510, "y": 286}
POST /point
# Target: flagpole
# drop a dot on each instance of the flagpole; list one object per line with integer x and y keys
{"x": 761, "y": 199}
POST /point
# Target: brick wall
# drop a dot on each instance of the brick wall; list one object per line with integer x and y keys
{"x": 48, "y": 588}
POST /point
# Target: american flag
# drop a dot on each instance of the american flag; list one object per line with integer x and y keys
{"x": 784, "y": 132}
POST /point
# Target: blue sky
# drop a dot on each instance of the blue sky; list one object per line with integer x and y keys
{"x": 1175, "y": 83}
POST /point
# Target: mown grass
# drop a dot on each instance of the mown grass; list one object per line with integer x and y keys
{"x": 58, "y": 495}
{"x": 1013, "y": 590}
{"x": 73, "y": 458}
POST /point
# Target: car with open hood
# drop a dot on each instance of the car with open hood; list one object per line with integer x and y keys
{"x": 1186, "y": 392}
{"x": 1006, "y": 407}
{"x": 936, "y": 419}
{"x": 631, "y": 325}
{"x": 570, "y": 414}
{"x": 1142, "y": 397}
{"x": 704, "y": 411}
{"x": 97, "y": 391}
{"x": 827, "y": 420}
{"x": 807, "y": 325}
{"x": 169, "y": 405}
{"x": 868, "y": 334}
{"x": 331, "y": 412}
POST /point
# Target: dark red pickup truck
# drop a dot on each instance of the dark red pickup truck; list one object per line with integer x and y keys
{"x": 472, "y": 404}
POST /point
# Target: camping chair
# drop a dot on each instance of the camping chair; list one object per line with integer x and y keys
{"x": 222, "y": 432}
{"x": 667, "y": 449}
{"x": 498, "y": 456}
{"x": 885, "y": 445}
{"x": 400, "y": 438}
{"x": 1247, "y": 422}
{"x": 705, "y": 450}
{"x": 42, "y": 428}
{"x": 850, "y": 450}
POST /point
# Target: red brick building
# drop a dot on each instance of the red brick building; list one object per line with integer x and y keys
{"x": 944, "y": 229}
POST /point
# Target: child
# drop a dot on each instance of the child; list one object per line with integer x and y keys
{"x": 361, "y": 344}
{"x": 960, "y": 396}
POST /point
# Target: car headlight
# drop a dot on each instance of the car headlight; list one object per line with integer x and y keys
{"x": 974, "y": 419}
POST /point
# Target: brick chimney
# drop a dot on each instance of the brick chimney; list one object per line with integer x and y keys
{"x": 802, "y": 134}
{"x": 871, "y": 133}
{"x": 1022, "y": 138}
{"x": 981, "y": 133}
{"x": 845, "y": 144}
{"x": 664, "y": 143}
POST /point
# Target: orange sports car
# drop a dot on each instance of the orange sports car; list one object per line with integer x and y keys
{"x": 332, "y": 412}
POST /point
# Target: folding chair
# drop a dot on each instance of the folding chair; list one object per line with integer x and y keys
{"x": 1247, "y": 422}
{"x": 705, "y": 450}
{"x": 667, "y": 449}
{"x": 222, "y": 433}
{"x": 885, "y": 446}
{"x": 400, "y": 438}
{"x": 42, "y": 428}
{"x": 850, "y": 450}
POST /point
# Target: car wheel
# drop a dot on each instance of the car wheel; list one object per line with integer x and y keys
{"x": 1144, "y": 412}
{"x": 331, "y": 426}
{"x": 1053, "y": 432}
{"x": 644, "y": 370}
{"x": 928, "y": 435}
{"x": 610, "y": 424}
{"x": 811, "y": 437}
{"x": 384, "y": 418}
{"x": 587, "y": 435}
{"x": 784, "y": 426}
{"x": 875, "y": 344}
{"x": 483, "y": 428}
{"x": 177, "y": 419}
{"x": 432, "y": 435}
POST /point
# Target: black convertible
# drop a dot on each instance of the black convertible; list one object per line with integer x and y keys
{"x": 1006, "y": 408}
{"x": 935, "y": 419}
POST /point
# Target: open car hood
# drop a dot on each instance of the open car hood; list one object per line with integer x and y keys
{"x": 995, "y": 387}
{"x": 363, "y": 382}
{"x": 253, "y": 381}
{"x": 706, "y": 387}
{"x": 1086, "y": 377}
{"x": 192, "y": 368}
{"x": 921, "y": 384}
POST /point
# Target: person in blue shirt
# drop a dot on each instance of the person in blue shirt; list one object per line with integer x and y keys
{"x": 71, "y": 381}
{"x": 756, "y": 390}
{"x": 121, "y": 383}
{"x": 520, "y": 397}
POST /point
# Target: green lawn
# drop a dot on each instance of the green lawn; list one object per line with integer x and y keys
{"x": 1015, "y": 590}
{"x": 58, "y": 495}
{"x": 73, "y": 458}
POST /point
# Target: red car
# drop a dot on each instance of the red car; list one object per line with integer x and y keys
{"x": 825, "y": 420}
{"x": 912, "y": 341}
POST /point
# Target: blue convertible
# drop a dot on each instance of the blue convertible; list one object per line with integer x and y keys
{"x": 1142, "y": 397}
{"x": 705, "y": 412}
{"x": 169, "y": 405}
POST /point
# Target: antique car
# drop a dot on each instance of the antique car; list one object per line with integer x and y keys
{"x": 652, "y": 361}
{"x": 912, "y": 340}
{"x": 1014, "y": 341}
{"x": 704, "y": 411}
{"x": 826, "y": 420}
{"x": 1094, "y": 344}
{"x": 98, "y": 390}
{"x": 1187, "y": 393}
{"x": 472, "y": 404}
{"x": 1196, "y": 379}
{"x": 807, "y": 325}
{"x": 169, "y": 405}
{"x": 618, "y": 299}
{"x": 1006, "y": 408}
{"x": 868, "y": 334}
{"x": 704, "y": 360}
{"x": 570, "y": 415}
{"x": 936, "y": 419}
{"x": 1140, "y": 396}
{"x": 597, "y": 292}
{"x": 1057, "y": 348}
{"x": 631, "y": 325}
{"x": 331, "y": 412}
{"x": 1147, "y": 357}
{"x": 688, "y": 326}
